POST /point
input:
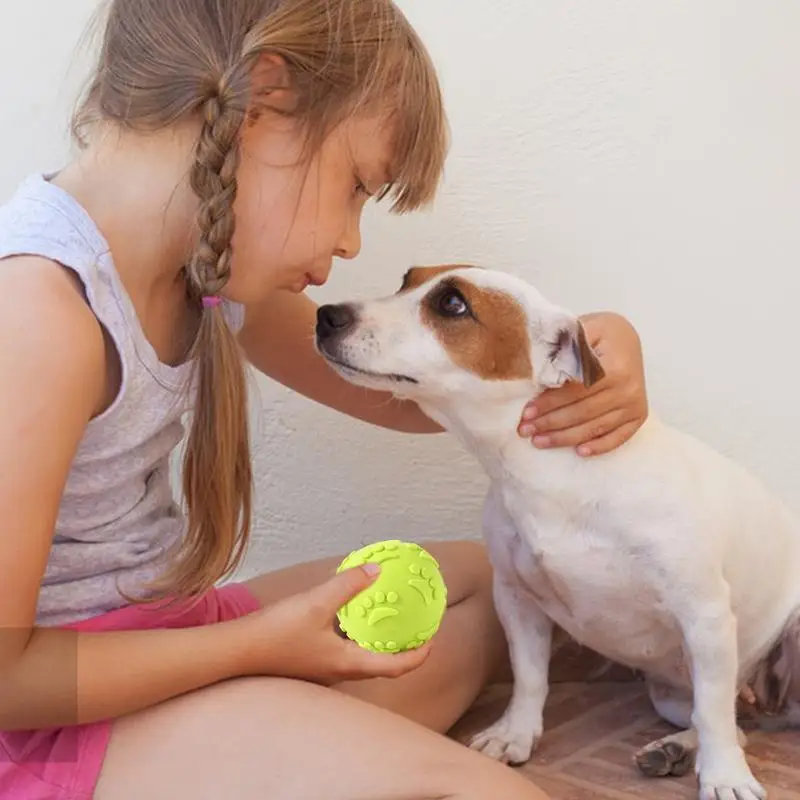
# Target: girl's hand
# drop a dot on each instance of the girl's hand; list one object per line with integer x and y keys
{"x": 601, "y": 418}
{"x": 297, "y": 637}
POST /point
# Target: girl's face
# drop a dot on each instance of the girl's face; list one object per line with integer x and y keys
{"x": 293, "y": 218}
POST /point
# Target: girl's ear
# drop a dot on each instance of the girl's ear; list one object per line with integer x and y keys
{"x": 271, "y": 87}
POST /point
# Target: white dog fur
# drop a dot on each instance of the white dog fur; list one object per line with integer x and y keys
{"x": 661, "y": 555}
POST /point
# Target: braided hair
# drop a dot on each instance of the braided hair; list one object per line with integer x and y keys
{"x": 164, "y": 62}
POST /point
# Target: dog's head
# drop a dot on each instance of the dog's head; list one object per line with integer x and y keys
{"x": 455, "y": 330}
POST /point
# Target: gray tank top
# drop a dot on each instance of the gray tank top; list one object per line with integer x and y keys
{"x": 118, "y": 513}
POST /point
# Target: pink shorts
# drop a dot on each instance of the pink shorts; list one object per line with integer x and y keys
{"x": 64, "y": 763}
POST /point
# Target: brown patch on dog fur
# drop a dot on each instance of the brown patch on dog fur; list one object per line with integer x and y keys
{"x": 492, "y": 341}
{"x": 417, "y": 276}
{"x": 591, "y": 367}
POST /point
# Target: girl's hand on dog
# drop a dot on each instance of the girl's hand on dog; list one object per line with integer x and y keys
{"x": 297, "y": 637}
{"x": 601, "y": 418}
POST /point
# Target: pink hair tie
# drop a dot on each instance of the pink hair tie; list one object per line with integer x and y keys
{"x": 211, "y": 301}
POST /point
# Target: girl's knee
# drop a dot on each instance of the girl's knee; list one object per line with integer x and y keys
{"x": 465, "y": 567}
{"x": 493, "y": 779}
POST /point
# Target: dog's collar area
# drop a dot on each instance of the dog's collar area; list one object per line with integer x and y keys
{"x": 385, "y": 376}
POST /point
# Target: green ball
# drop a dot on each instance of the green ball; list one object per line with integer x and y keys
{"x": 403, "y": 607}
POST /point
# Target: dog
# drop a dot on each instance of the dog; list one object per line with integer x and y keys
{"x": 661, "y": 555}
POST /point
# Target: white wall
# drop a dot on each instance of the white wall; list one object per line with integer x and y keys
{"x": 627, "y": 155}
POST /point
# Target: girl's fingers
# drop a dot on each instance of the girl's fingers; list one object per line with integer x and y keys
{"x": 366, "y": 664}
{"x": 578, "y": 413}
{"x": 595, "y": 428}
{"x": 327, "y": 598}
{"x": 610, "y": 441}
{"x": 553, "y": 399}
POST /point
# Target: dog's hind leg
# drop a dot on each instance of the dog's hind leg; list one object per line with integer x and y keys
{"x": 776, "y": 690}
{"x": 673, "y": 755}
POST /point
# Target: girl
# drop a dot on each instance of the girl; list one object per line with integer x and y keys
{"x": 228, "y": 151}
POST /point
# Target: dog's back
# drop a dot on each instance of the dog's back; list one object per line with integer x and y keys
{"x": 667, "y": 510}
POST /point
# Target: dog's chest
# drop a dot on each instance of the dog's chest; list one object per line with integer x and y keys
{"x": 593, "y": 585}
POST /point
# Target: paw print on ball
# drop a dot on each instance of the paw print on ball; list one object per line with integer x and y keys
{"x": 373, "y": 609}
{"x": 377, "y": 607}
{"x": 423, "y": 582}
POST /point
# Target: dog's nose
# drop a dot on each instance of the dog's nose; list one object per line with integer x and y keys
{"x": 333, "y": 319}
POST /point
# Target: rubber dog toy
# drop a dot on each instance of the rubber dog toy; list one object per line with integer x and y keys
{"x": 404, "y": 606}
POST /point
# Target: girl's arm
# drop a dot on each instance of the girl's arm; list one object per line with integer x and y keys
{"x": 52, "y": 363}
{"x": 278, "y": 339}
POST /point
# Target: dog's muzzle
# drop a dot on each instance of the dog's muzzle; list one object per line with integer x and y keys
{"x": 333, "y": 321}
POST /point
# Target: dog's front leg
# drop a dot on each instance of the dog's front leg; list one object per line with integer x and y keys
{"x": 528, "y": 631}
{"x": 515, "y": 735}
{"x": 709, "y": 629}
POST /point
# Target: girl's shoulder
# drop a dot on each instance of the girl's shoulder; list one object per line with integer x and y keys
{"x": 40, "y": 219}
{"x": 49, "y": 252}
{"x": 43, "y": 220}
{"x": 47, "y": 330}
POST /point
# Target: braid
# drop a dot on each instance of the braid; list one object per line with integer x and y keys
{"x": 217, "y": 475}
{"x": 213, "y": 179}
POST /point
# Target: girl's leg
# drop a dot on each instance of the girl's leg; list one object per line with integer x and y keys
{"x": 288, "y": 740}
{"x": 469, "y": 649}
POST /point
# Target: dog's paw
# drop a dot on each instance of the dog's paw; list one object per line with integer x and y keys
{"x": 749, "y": 791}
{"x": 666, "y": 757}
{"x": 728, "y": 778}
{"x": 507, "y": 741}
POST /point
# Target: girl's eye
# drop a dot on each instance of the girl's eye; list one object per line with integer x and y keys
{"x": 452, "y": 304}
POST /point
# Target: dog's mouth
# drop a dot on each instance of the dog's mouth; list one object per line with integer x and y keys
{"x": 384, "y": 376}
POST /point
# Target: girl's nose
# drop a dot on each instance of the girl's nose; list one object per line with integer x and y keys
{"x": 349, "y": 245}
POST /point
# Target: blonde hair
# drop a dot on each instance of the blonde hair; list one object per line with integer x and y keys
{"x": 167, "y": 61}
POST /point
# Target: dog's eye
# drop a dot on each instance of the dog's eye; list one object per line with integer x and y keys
{"x": 452, "y": 304}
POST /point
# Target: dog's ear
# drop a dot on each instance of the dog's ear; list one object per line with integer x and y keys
{"x": 569, "y": 358}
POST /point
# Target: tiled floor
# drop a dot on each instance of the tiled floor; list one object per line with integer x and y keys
{"x": 592, "y": 730}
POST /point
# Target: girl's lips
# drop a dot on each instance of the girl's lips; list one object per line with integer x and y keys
{"x": 307, "y": 280}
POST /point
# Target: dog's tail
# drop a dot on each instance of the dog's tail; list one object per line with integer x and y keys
{"x": 775, "y": 685}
